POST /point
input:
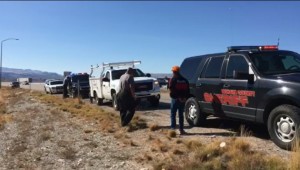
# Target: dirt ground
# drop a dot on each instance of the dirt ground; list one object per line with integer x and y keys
{"x": 40, "y": 136}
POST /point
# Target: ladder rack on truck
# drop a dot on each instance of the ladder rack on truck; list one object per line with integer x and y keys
{"x": 115, "y": 65}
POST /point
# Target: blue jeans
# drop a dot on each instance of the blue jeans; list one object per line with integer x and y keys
{"x": 177, "y": 105}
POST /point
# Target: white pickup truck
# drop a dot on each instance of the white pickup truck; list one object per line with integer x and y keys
{"x": 106, "y": 86}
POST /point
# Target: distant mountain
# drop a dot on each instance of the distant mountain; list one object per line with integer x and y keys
{"x": 11, "y": 74}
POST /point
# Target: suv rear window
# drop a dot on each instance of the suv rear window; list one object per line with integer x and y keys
{"x": 214, "y": 67}
{"x": 276, "y": 62}
{"x": 189, "y": 66}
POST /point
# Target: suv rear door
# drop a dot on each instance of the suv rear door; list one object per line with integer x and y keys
{"x": 208, "y": 84}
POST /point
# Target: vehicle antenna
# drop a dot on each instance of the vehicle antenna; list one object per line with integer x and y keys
{"x": 278, "y": 42}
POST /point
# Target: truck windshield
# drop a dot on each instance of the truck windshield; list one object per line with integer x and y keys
{"x": 56, "y": 82}
{"x": 80, "y": 78}
{"x": 276, "y": 62}
{"x": 116, "y": 74}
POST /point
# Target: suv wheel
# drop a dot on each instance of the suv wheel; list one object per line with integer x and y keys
{"x": 99, "y": 101}
{"x": 193, "y": 114}
{"x": 283, "y": 125}
{"x": 114, "y": 101}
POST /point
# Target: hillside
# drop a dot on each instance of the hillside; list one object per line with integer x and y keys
{"x": 11, "y": 74}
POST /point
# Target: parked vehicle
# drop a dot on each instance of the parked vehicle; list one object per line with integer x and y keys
{"x": 162, "y": 82}
{"x": 78, "y": 85}
{"x": 254, "y": 83}
{"x": 14, "y": 84}
{"x": 53, "y": 86}
{"x": 25, "y": 80}
{"x": 107, "y": 85}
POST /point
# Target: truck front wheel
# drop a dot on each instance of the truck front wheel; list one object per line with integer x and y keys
{"x": 283, "y": 125}
{"x": 193, "y": 114}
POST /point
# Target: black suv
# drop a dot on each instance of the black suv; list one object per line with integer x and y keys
{"x": 255, "y": 83}
{"x": 78, "y": 84}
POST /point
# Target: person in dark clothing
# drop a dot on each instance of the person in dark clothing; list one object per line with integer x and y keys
{"x": 179, "y": 92}
{"x": 65, "y": 86}
{"x": 126, "y": 97}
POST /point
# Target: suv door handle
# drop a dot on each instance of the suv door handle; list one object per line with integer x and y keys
{"x": 226, "y": 85}
{"x": 199, "y": 84}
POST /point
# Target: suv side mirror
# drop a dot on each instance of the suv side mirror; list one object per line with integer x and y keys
{"x": 243, "y": 76}
{"x": 148, "y": 75}
{"x": 251, "y": 78}
{"x": 240, "y": 75}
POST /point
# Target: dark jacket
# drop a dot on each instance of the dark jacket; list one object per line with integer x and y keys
{"x": 179, "y": 87}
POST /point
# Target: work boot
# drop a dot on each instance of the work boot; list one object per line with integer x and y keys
{"x": 182, "y": 132}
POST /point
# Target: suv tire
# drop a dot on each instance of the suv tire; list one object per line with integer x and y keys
{"x": 193, "y": 114}
{"x": 283, "y": 125}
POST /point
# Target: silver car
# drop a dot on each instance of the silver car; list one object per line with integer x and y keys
{"x": 53, "y": 86}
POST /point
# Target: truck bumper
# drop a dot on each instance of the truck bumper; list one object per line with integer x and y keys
{"x": 145, "y": 94}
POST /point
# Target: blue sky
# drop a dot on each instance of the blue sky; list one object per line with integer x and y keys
{"x": 58, "y": 36}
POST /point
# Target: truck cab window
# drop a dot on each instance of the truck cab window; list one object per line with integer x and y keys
{"x": 236, "y": 63}
{"x": 107, "y": 75}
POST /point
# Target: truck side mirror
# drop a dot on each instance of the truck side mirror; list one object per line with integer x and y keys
{"x": 105, "y": 79}
{"x": 148, "y": 75}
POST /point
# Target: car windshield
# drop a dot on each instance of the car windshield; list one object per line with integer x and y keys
{"x": 56, "y": 82}
{"x": 276, "y": 62}
{"x": 116, "y": 74}
{"x": 80, "y": 78}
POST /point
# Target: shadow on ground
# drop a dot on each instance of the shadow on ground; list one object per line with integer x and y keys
{"x": 234, "y": 128}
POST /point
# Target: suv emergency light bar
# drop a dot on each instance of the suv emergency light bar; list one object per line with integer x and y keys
{"x": 252, "y": 48}
{"x": 122, "y": 64}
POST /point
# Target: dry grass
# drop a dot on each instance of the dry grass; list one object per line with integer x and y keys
{"x": 2, "y": 105}
{"x": 192, "y": 144}
{"x": 4, "y": 117}
{"x": 171, "y": 134}
{"x": 244, "y": 132}
{"x": 108, "y": 122}
{"x": 129, "y": 142}
{"x": 235, "y": 155}
{"x": 136, "y": 124}
{"x": 153, "y": 127}
{"x": 295, "y": 157}
{"x": 159, "y": 146}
